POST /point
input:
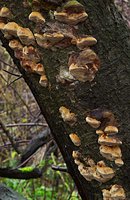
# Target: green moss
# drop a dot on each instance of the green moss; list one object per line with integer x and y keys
{"x": 73, "y": 6}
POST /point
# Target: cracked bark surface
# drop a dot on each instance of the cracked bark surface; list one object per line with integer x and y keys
{"x": 110, "y": 89}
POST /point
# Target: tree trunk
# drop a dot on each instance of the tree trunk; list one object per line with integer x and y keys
{"x": 110, "y": 89}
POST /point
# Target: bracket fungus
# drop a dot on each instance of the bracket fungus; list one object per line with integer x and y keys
{"x": 106, "y": 194}
{"x": 84, "y": 41}
{"x": 93, "y": 122}
{"x": 67, "y": 116}
{"x": 31, "y": 53}
{"x": 104, "y": 171}
{"x": 15, "y": 45}
{"x": 71, "y": 13}
{"x": 11, "y": 28}
{"x": 43, "y": 80}
{"x": 75, "y": 139}
{"x": 110, "y": 153}
{"x": 111, "y": 130}
{"x": 89, "y": 170}
{"x": 26, "y": 36}
{"x": 116, "y": 192}
{"x": 108, "y": 141}
{"x": 83, "y": 66}
{"x": 39, "y": 69}
{"x": 5, "y": 12}
{"x": 36, "y": 17}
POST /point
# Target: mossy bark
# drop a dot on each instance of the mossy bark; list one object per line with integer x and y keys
{"x": 110, "y": 89}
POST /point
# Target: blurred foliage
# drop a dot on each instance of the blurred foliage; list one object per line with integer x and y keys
{"x": 17, "y": 106}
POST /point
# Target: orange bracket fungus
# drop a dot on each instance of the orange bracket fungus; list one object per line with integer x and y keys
{"x": 67, "y": 116}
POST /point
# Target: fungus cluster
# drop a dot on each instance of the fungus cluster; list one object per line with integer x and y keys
{"x": 71, "y": 13}
{"x": 67, "y": 116}
{"x": 84, "y": 65}
{"x": 110, "y": 143}
{"x": 91, "y": 171}
{"x": 22, "y": 41}
{"x": 116, "y": 192}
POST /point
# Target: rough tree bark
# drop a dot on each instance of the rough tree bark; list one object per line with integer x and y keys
{"x": 110, "y": 89}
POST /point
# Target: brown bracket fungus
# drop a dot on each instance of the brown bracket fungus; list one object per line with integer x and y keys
{"x": 5, "y": 12}
{"x": 106, "y": 194}
{"x": 89, "y": 170}
{"x": 83, "y": 66}
{"x": 11, "y": 28}
{"x": 108, "y": 141}
{"x": 31, "y": 53}
{"x": 111, "y": 130}
{"x": 2, "y": 24}
{"x": 37, "y": 17}
{"x": 15, "y": 45}
{"x": 67, "y": 116}
{"x": 84, "y": 41}
{"x": 43, "y": 81}
{"x": 71, "y": 13}
{"x": 110, "y": 153}
{"x": 116, "y": 192}
{"x": 75, "y": 139}
{"x": 105, "y": 171}
{"x": 93, "y": 122}
{"x": 39, "y": 69}
{"x": 26, "y": 36}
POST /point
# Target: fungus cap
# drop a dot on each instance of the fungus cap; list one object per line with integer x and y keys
{"x": 93, "y": 122}
{"x": 11, "y": 28}
{"x": 75, "y": 139}
{"x": 43, "y": 81}
{"x": 67, "y": 116}
{"x": 31, "y": 53}
{"x": 109, "y": 141}
{"x": 71, "y": 19}
{"x": 15, "y": 45}
{"x": 119, "y": 162}
{"x": 105, "y": 171}
{"x": 73, "y": 6}
{"x": 26, "y": 36}
{"x": 111, "y": 130}
{"x": 36, "y": 17}
{"x": 5, "y": 12}
{"x": 117, "y": 192}
{"x": 2, "y": 24}
{"x": 110, "y": 153}
{"x": 85, "y": 42}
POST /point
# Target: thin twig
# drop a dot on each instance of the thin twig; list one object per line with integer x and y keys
{"x": 8, "y": 64}
{"x": 58, "y": 168}
{"x": 14, "y": 80}
{"x": 26, "y": 124}
{"x": 18, "y": 142}
{"x": 11, "y": 73}
{"x": 9, "y": 137}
